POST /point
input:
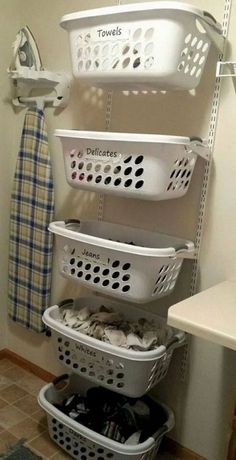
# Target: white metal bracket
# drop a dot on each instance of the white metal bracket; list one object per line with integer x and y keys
{"x": 201, "y": 148}
{"x": 226, "y": 69}
{"x": 40, "y": 87}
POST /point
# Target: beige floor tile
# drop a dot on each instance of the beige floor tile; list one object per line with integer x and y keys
{"x": 4, "y": 382}
{"x": 5, "y": 364}
{"x": 3, "y": 403}
{"x": 60, "y": 455}
{"x": 40, "y": 417}
{"x": 28, "y": 404}
{"x": 15, "y": 373}
{"x": 12, "y": 393}
{"x": 9, "y": 416}
{"x": 28, "y": 429}
{"x": 44, "y": 445}
{"x": 31, "y": 383}
{"x": 6, "y": 440}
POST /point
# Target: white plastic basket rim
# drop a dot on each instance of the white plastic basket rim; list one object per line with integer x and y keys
{"x": 68, "y": 19}
{"x": 129, "y": 137}
{"x": 96, "y": 437}
{"x": 54, "y": 324}
{"x": 196, "y": 144}
{"x": 185, "y": 248}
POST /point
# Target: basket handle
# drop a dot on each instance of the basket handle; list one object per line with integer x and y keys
{"x": 209, "y": 16}
{"x": 65, "y": 302}
{"x": 185, "y": 251}
{"x": 211, "y": 21}
{"x": 181, "y": 247}
{"x": 175, "y": 341}
{"x": 71, "y": 221}
{"x": 213, "y": 29}
{"x": 60, "y": 378}
{"x": 161, "y": 432}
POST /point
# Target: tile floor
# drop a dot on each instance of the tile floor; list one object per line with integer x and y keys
{"x": 21, "y": 417}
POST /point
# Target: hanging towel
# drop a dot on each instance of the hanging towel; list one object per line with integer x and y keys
{"x": 32, "y": 207}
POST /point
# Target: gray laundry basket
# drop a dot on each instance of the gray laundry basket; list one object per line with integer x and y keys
{"x": 81, "y": 442}
{"x": 120, "y": 261}
{"x": 128, "y": 372}
{"x": 148, "y": 45}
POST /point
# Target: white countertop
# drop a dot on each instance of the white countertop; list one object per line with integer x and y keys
{"x": 211, "y": 314}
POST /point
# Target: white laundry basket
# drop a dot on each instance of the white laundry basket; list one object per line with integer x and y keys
{"x": 121, "y": 261}
{"x": 156, "y": 45}
{"x": 81, "y": 442}
{"x": 143, "y": 166}
{"x": 129, "y": 372}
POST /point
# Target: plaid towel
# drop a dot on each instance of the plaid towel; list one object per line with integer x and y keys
{"x": 32, "y": 206}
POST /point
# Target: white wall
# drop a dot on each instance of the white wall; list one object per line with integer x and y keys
{"x": 204, "y": 401}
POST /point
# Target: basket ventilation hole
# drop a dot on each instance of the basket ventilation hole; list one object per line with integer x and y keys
{"x": 117, "y": 181}
{"x": 139, "y": 184}
{"x": 128, "y": 183}
{"x": 149, "y": 48}
{"x": 187, "y": 38}
{"x": 137, "y": 33}
{"x": 116, "y": 263}
{"x": 125, "y": 49}
{"x": 117, "y": 169}
{"x": 98, "y": 179}
{"x": 136, "y": 63}
{"x": 126, "y": 62}
{"x": 139, "y": 159}
{"x": 128, "y": 159}
{"x": 149, "y": 33}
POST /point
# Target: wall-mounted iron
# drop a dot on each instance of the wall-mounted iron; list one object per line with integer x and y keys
{"x": 32, "y": 84}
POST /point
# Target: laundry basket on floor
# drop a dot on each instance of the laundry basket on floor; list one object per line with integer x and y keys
{"x": 143, "y": 166}
{"x": 121, "y": 261}
{"x": 81, "y": 442}
{"x": 129, "y": 372}
{"x": 155, "y": 45}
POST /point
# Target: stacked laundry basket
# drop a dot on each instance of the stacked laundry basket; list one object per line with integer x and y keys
{"x": 149, "y": 46}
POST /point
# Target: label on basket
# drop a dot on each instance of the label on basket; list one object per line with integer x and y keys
{"x": 76, "y": 435}
{"x": 113, "y": 32}
{"x": 87, "y": 351}
{"x": 106, "y": 154}
{"x": 94, "y": 256}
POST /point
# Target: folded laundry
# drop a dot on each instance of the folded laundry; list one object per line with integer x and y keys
{"x": 113, "y": 328}
{"x": 122, "y": 419}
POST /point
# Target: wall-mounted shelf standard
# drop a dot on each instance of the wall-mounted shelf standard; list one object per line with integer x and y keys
{"x": 49, "y": 88}
{"x": 211, "y": 314}
{"x": 156, "y": 45}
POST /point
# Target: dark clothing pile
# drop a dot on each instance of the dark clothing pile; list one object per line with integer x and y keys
{"x": 122, "y": 419}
